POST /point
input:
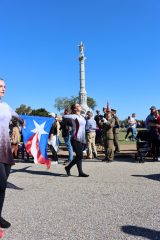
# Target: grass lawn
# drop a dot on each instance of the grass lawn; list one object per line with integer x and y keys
{"x": 122, "y": 133}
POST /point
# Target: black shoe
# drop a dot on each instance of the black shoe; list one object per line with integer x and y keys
{"x": 66, "y": 162}
{"x": 4, "y": 223}
{"x": 94, "y": 155}
{"x": 108, "y": 161}
{"x": 67, "y": 171}
{"x": 83, "y": 175}
{"x": 117, "y": 151}
{"x": 141, "y": 160}
{"x": 104, "y": 159}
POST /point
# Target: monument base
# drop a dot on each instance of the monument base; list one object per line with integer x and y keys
{"x": 85, "y": 108}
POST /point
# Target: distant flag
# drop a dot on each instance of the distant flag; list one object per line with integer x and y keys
{"x": 107, "y": 108}
{"x": 35, "y": 137}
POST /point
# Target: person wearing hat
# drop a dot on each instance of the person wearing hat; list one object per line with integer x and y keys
{"x": 151, "y": 125}
{"x": 107, "y": 127}
{"x": 116, "y": 130}
{"x": 150, "y": 117}
{"x": 98, "y": 117}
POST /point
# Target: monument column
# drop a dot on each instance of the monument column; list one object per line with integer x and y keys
{"x": 82, "y": 93}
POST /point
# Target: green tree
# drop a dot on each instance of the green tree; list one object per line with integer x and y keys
{"x": 23, "y": 109}
{"x": 91, "y": 103}
{"x": 62, "y": 102}
{"x": 40, "y": 112}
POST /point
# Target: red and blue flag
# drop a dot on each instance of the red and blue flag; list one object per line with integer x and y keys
{"x": 35, "y": 137}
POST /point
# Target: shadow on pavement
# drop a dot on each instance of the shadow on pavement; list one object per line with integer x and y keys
{"x": 25, "y": 170}
{"x": 12, "y": 186}
{"x": 140, "y": 231}
{"x": 124, "y": 157}
{"x": 155, "y": 177}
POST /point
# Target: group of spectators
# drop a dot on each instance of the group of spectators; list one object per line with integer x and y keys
{"x": 95, "y": 128}
{"x": 104, "y": 129}
{"x": 99, "y": 129}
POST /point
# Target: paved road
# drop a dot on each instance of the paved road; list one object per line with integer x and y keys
{"x": 119, "y": 201}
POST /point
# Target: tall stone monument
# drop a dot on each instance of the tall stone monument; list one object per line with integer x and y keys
{"x": 82, "y": 93}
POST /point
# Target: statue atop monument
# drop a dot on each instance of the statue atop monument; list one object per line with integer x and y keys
{"x": 81, "y": 49}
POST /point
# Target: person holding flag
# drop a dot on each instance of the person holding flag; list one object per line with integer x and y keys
{"x": 6, "y": 157}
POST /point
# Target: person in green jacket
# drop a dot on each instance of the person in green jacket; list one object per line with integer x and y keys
{"x": 107, "y": 126}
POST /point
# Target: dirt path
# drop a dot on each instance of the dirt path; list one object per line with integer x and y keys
{"x": 125, "y": 150}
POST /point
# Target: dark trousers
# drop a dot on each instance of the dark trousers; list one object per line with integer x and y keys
{"x": 154, "y": 143}
{"x": 4, "y": 173}
{"x": 78, "y": 148}
{"x": 129, "y": 130}
{"x": 54, "y": 153}
{"x": 23, "y": 150}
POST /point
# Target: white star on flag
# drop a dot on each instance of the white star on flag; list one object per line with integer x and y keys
{"x": 39, "y": 129}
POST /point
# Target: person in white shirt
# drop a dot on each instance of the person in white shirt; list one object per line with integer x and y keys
{"x": 133, "y": 124}
{"x": 78, "y": 139}
{"x": 6, "y": 156}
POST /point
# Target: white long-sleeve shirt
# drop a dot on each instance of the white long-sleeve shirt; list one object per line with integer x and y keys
{"x": 6, "y": 113}
{"x": 78, "y": 127}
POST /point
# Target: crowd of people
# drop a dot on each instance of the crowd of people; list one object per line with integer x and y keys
{"x": 101, "y": 129}
{"x": 89, "y": 130}
{"x": 104, "y": 129}
{"x": 79, "y": 131}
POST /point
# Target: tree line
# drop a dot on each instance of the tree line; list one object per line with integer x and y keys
{"x": 60, "y": 104}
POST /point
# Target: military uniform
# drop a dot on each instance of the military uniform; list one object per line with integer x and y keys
{"x": 109, "y": 139}
{"x": 116, "y": 131}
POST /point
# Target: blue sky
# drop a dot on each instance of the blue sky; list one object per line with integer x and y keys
{"x": 39, "y": 52}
